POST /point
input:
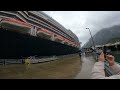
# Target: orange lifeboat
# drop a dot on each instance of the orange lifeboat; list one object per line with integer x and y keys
{"x": 44, "y": 33}
{"x": 15, "y": 25}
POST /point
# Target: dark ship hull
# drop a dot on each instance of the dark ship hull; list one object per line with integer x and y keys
{"x": 16, "y": 42}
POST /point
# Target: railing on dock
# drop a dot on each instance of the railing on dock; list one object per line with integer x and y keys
{"x": 33, "y": 59}
{"x": 10, "y": 61}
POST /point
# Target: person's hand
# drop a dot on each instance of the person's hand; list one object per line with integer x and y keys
{"x": 102, "y": 58}
{"x": 110, "y": 59}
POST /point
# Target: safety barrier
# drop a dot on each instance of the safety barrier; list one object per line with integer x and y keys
{"x": 33, "y": 59}
{"x": 11, "y": 61}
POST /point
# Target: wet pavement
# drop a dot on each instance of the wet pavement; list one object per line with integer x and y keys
{"x": 65, "y": 68}
{"x": 87, "y": 65}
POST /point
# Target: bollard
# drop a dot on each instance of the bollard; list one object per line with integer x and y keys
{"x": 27, "y": 63}
{"x": 4, "y": 63}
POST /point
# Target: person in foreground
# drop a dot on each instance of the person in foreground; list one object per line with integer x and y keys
{"x": 98, "y": 69}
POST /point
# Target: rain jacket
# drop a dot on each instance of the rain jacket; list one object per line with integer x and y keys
{"x": 99, "y": 73}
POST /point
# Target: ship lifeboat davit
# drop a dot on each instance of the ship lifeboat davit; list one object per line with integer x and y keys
{"x": 59, "y": 39}
{"x": 15, "y": 25}
{"x": 43, "y": 33}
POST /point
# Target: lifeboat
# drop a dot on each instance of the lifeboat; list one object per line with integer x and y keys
{"x": 15, "y": 25}
{"x": 43, "y": 33}
{"x": 58, "y": 38}
{"x": 66, "y": 42}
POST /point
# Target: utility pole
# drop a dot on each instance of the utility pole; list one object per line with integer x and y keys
{"x": 92, "y": 38}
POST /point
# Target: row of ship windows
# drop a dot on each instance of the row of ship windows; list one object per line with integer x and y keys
{"x": 42, "y": 14}
{"x": 42, "y": 23}
{"x": 66, "y": 36}
{"x": 51, "y": 20}
{"x": 54, "y": 30}
{"x": 45, "y": 22}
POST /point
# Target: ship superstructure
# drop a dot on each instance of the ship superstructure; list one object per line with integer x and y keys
{"x": 38, "y": 24}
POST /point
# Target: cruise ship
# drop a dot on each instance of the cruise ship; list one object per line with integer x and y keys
{"x": 29, "y": 33}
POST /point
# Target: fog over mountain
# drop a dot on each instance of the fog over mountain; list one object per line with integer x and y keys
{"x": 104, "y": 36}
{"x": 77, "y": 21}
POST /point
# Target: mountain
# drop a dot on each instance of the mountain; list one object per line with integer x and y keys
{"x": 104, "y": 36}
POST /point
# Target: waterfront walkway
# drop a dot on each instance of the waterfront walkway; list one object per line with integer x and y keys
{"x": 64, "y": 68}
{"x": 87, "y": 65}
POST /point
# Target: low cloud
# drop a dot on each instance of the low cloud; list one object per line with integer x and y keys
{"x": 77, "y": 21}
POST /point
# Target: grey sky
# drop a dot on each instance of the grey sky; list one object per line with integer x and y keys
{"x": 77, "y": 21}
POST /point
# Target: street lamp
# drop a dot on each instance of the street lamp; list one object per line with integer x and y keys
{"x": 92, "y": 38}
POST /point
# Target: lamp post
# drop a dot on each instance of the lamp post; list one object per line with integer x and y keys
{"x": 92, "y": 38}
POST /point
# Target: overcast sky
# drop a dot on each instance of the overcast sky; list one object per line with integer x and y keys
{"x": 77, "y": 21}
